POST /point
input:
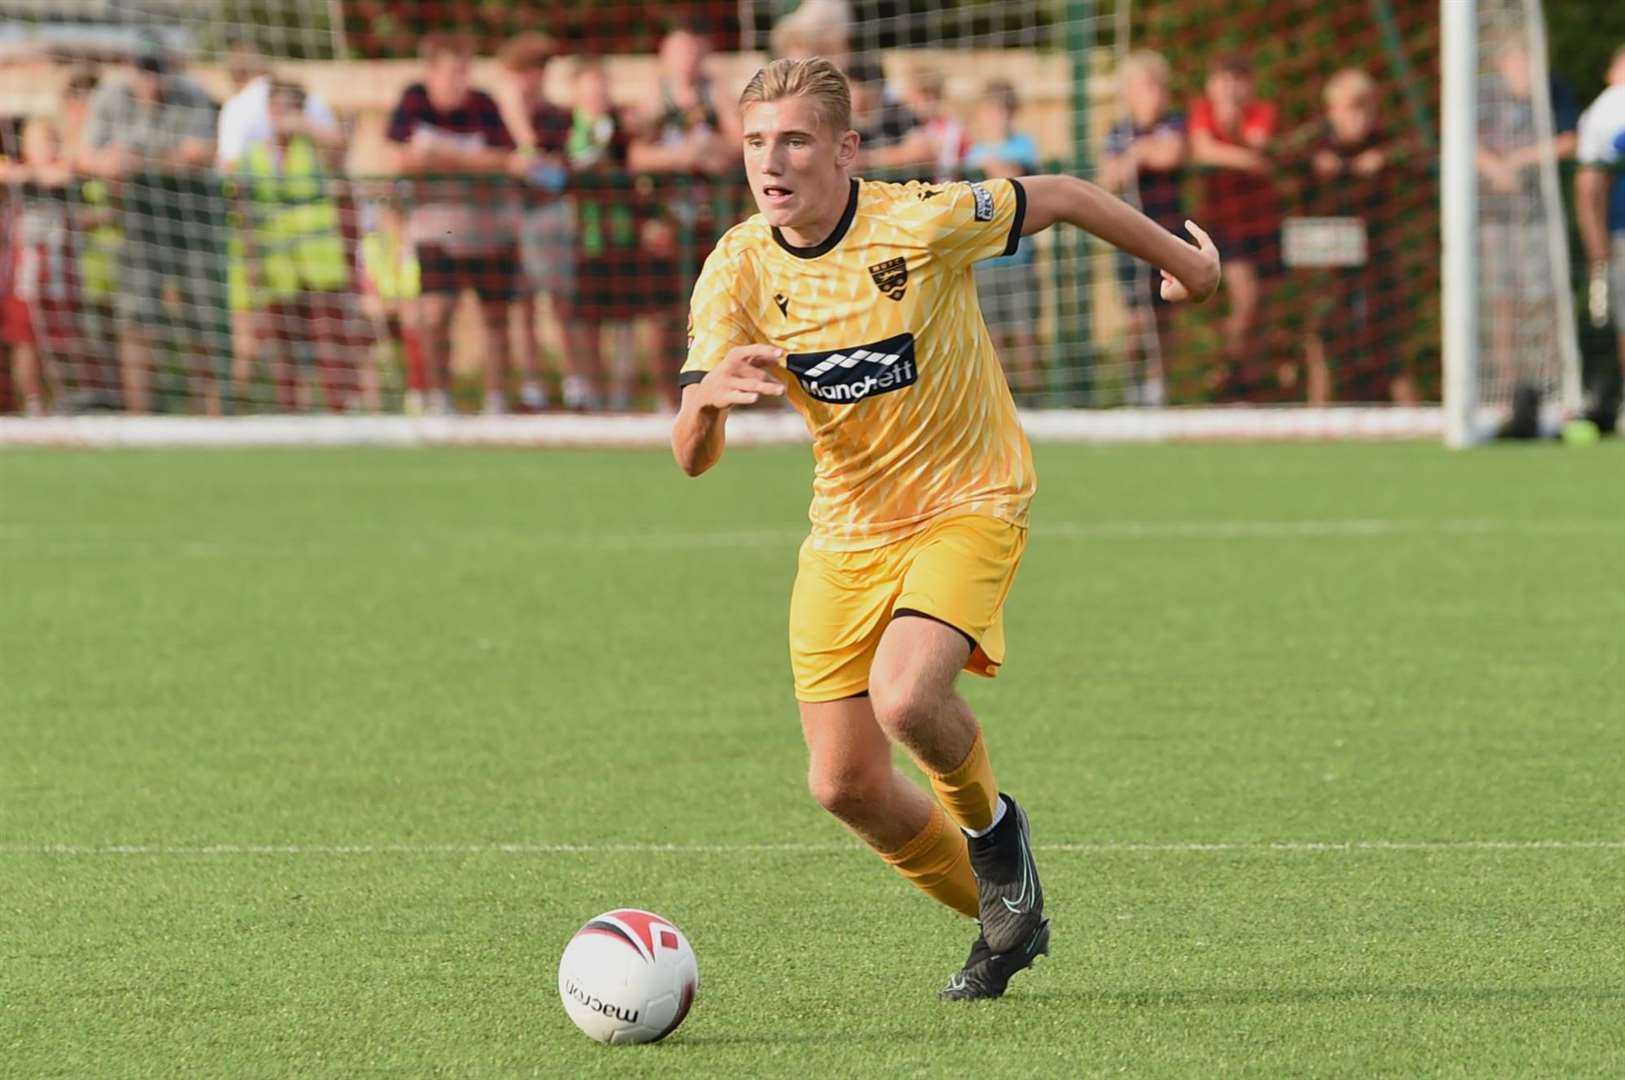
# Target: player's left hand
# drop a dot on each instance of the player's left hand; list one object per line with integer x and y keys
{"x": 1206, "y": 282}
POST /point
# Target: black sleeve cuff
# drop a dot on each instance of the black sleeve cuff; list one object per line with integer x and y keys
{"x": 1021, "y": 216}
{"x": 689, "y": 378}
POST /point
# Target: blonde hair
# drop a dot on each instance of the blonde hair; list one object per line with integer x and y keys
{"x": 814, "y": 78}
{"x": 1348, "y": 82}
{"x": 1146, "y": 62}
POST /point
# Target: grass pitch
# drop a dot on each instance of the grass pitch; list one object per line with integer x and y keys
{"x": 310, "y": 763}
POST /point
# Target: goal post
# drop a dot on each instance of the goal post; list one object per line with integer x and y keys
{"x": 1458, "y": 205}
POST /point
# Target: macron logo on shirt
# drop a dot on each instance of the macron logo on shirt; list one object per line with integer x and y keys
{"x": 850, "y": 374}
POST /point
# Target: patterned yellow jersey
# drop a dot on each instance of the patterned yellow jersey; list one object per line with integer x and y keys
{"x": 888, "y": 357}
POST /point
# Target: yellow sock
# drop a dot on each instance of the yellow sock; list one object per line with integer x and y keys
{"x": 968, "y": 793}
{"x": 937, "y": 862}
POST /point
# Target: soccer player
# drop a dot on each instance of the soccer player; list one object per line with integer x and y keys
{"x": 857, "y": 299}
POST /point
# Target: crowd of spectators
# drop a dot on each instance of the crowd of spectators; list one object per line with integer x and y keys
{"x": 149, "y": 229}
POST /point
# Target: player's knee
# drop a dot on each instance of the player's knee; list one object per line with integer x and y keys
{"x": 850, "y": 793}
{"x": 903, "y": 708}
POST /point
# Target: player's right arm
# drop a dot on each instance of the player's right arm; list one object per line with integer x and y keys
{"x": 742, "y": 377}
{"x": 727, "y": 363}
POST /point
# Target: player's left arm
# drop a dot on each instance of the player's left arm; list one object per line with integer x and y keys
{"x": 1189, "y": 272}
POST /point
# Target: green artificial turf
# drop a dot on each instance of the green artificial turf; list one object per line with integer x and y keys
{"x": 311, "y": 762}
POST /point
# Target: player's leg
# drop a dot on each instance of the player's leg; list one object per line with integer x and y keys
{"x": 850, "y": 773}
{"x": 948, "y": 617}
{"x": 912, "y": 683}
{"x": 916, "y": 705}
{"x": 838, "y": 610}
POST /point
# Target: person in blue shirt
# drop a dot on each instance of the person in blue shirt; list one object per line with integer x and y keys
{"x": 1008, "y": 286}
{"x": 1600, "y": 205}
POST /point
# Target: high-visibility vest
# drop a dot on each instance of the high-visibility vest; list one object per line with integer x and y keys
{"x": 295, "y": 221}
{"x": 392, "y": 265}
{"x": 98, "y": 251}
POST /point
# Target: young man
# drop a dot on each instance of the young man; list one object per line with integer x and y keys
{"x": 465, "y": 222}
{"x": 857, "y": 299}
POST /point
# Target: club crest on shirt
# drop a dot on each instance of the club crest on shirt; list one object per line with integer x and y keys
{"x": 891, "y": 276}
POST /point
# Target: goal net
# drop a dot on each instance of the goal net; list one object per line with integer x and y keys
{"x": 374, "y": 207}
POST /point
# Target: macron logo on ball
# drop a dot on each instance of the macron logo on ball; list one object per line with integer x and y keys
{"x": 850, "y": 374}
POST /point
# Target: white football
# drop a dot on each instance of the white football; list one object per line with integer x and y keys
{"x": 628, "y": 976}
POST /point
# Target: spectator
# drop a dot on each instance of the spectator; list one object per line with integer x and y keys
{"x": 37, "y": 318}
{"x": 390, "y": 283}
{"x": 464, "y": 225}
{"x": 816, "y": 28}
{"x": 1144, "y": 162}
{"x": 612, "y": 276}
{"x": 1601, "y": 213}
{"x": 691, "y": 131}
{"x": 245, "y": 118}
{"x": 949, "y": 140}
{"x": 296, "y": 256}
{"x": 547, "y": 240}
{"x": 890, "y": 135}
{"x": 97, "y": 240}
{"x": 1519, "y": 283}
{"x": 245, "y": 122}
{"x": 1231, "y": 132}
{"x": 1355, "y": 310}
{"x": 690, "y": 116}
{"x": 153, "y": 133}
{"x": 1008, "y": 286}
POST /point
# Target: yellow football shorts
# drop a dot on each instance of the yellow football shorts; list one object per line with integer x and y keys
{"x": 958, "y": 571}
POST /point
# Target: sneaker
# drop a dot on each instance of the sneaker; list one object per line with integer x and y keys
{"x": 1007, "y": 889}
{"x": 986, "y": 973}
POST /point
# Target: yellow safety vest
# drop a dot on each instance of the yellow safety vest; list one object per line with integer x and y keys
{"x": 295, "y": 221}
{"x": 392, "y": 265}
{"x": 98, "y": 254}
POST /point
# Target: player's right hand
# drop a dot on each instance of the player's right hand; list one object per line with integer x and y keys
{"x": 742, "y": 377}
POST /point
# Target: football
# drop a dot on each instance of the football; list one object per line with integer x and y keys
{"x": 628, "y": 976}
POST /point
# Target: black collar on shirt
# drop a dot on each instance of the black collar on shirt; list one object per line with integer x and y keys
{"x": 828, "y": 242}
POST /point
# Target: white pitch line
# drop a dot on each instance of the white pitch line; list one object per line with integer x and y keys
{"x": 1124, "y": 847}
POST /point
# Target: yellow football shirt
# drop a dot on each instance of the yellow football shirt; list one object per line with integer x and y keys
{"x": 888, "y": 358}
